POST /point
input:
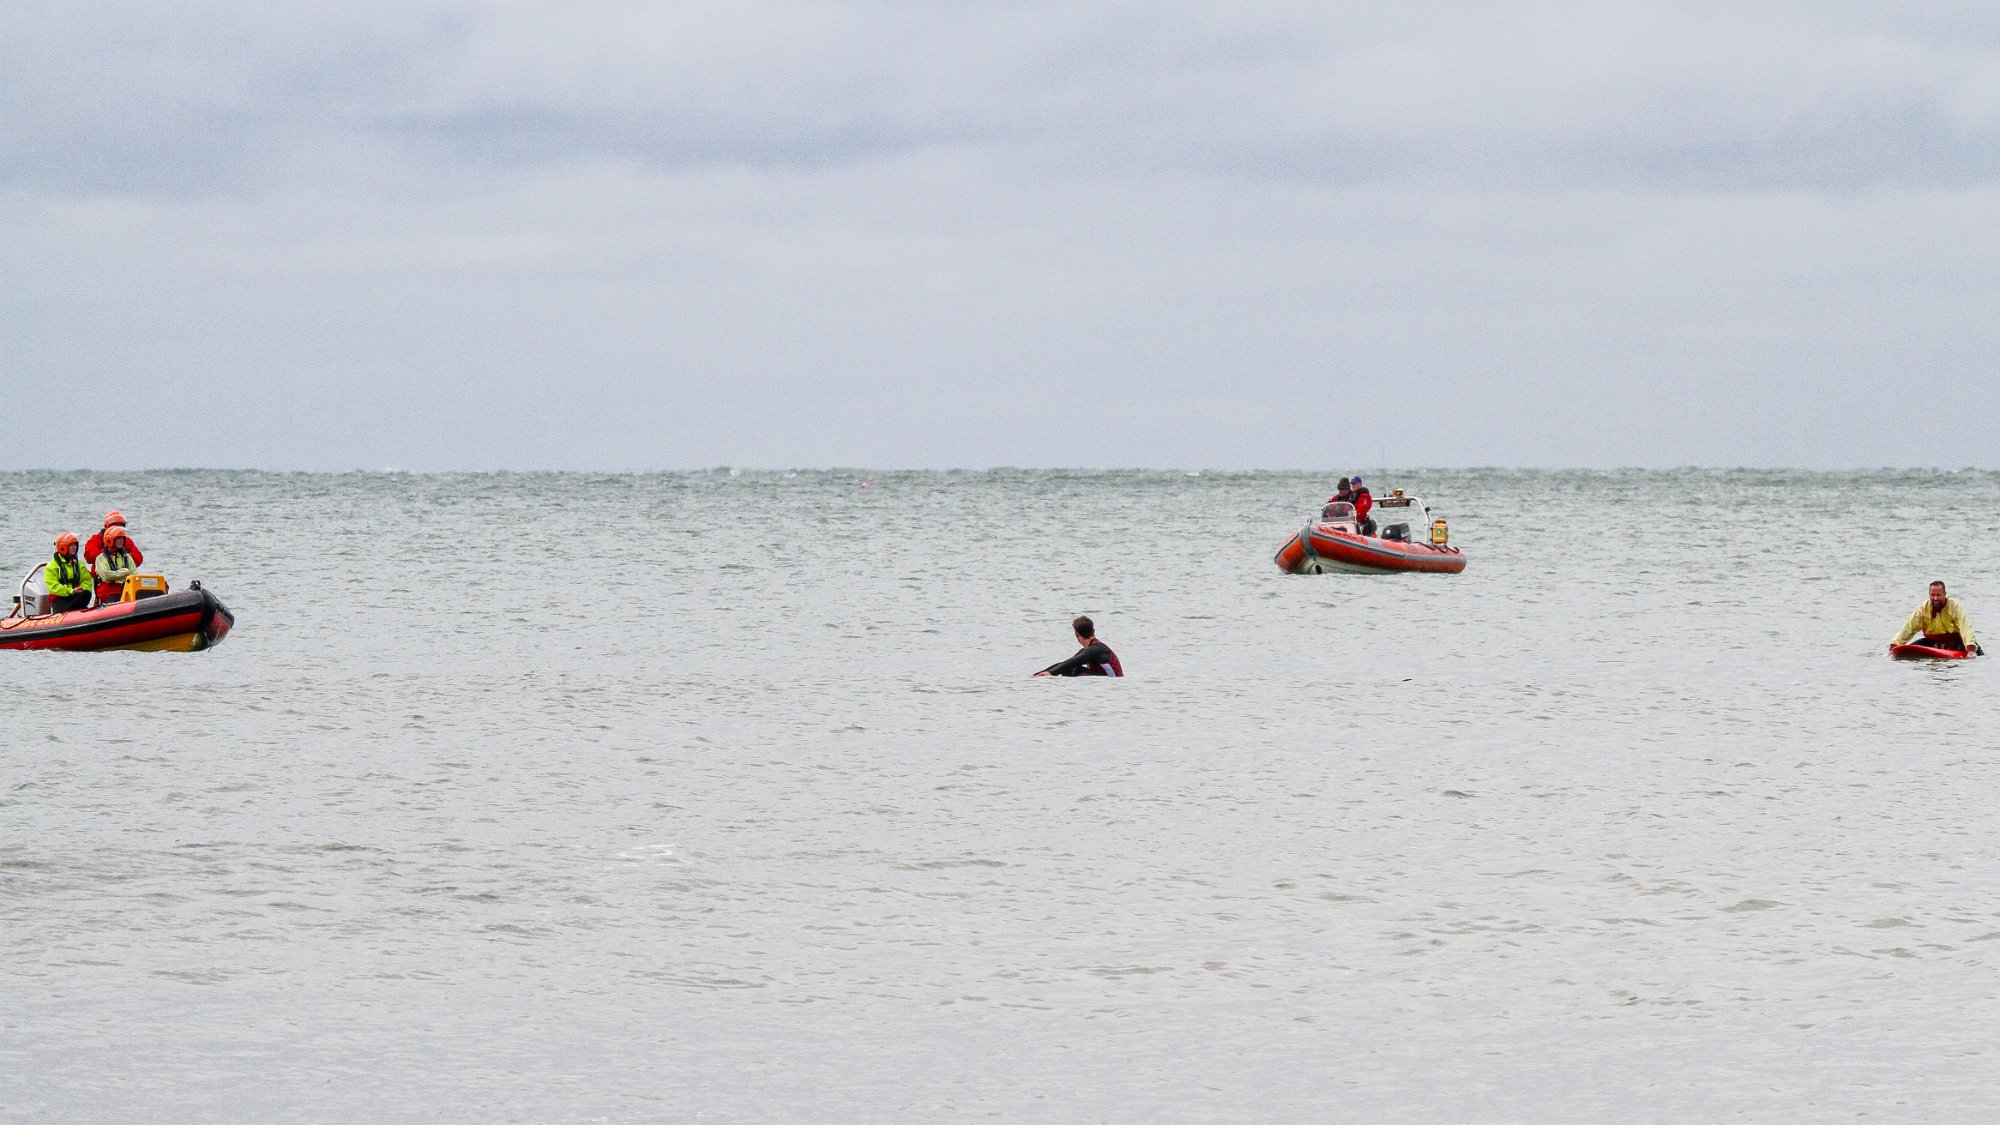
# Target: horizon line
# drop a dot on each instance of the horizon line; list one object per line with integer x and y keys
{"x": 881, "y": 470}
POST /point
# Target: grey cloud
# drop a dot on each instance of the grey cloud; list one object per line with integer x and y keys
{"x": 223, "y": 97}
{"x": 190, "y": 98}
{"x": 644, "y": 235}
{"x": 1566, "y": 94}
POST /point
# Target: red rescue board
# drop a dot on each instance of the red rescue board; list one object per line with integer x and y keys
{"x": 1925, "y": 652}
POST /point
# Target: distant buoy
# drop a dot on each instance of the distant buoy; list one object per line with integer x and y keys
{"x": 865, "y": 484}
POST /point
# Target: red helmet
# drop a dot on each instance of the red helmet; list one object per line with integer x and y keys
{"x": 114, "y": 516}
{"x": 114, "y": 533}
{"x": 66, "y": 544}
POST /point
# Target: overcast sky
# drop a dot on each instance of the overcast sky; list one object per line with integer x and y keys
{"x": 583, "y": 234}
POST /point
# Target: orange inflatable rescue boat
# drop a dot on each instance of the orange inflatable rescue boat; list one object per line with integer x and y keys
{"x": 147, "y": 617}
{"x": 1335, "y": 541}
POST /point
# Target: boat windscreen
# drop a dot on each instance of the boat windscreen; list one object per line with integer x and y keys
{"x": 1337, "y": 510}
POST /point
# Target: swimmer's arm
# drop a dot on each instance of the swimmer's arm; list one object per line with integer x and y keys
{"x": 1068, "y": 667}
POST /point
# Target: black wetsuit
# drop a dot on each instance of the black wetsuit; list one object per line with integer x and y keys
{"x": 1093, "y": 659}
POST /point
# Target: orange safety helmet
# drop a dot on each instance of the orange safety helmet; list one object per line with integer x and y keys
{"x": 114, "y": 533}
{"x": 66, "y": 543}
{"x": 114, "y": 516}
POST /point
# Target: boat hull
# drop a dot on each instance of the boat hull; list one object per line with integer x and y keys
{"x": 187, "y": 621}
{"x": 1320, "y": 549}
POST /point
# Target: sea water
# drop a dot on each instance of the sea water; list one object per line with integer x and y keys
{"x": 727, "y": 796}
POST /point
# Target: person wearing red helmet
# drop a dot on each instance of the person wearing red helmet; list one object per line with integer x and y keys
{"x": 66, "y": 578}
{"x": 112, "y": 518}
{"x": 113, "y": 566}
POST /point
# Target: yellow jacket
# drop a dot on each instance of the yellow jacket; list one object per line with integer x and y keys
{"x": 65, "y": 575}
{"x": 1950, "y": 619}
{"x": 113, "y": 568}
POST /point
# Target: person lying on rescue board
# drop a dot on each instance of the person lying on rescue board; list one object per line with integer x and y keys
{"x": 67, "y": 581}
{"x": 1095, "y": 658}
{"x": 113, "y": 566}
{"x": 1942, "y": 622}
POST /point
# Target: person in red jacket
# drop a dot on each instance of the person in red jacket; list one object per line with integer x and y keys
{"x": 1363, "y": 500}
{"x": 94, "y": 548}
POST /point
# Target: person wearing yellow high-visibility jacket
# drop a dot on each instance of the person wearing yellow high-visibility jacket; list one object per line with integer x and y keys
{"x": 1942, "y": 622}
{"x": 67, "y": 579}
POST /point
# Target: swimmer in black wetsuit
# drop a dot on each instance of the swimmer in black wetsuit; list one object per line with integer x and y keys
{"x": 1095, "y": 658}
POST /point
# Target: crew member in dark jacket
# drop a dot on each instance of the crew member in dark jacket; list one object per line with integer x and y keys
{"x": 1095, "y": 658}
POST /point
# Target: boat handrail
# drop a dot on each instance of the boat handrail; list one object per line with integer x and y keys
{"x": 21, "y": 599}
{"x": 1401, "y": 499}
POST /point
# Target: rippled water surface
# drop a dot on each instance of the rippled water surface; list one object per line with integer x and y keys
{"x": 727, "y": 797}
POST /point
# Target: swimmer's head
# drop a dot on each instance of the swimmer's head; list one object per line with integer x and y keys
{"x": 1085, "y": 628}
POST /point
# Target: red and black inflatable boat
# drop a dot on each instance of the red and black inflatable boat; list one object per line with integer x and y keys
{"x": 185, "y": 621}
{"x": 1336, "y": 542}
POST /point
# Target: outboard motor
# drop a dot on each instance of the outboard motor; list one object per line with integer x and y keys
{"x": 33, "y": 600}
